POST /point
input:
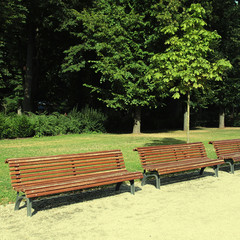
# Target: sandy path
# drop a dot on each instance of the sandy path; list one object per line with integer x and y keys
{"x": 200, "y": 208}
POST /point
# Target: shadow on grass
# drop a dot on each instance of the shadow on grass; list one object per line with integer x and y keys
{"x": 65, "y": 199}
{"x": 164, "y": 141}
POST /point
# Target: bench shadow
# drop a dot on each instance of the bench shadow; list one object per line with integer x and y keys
{"x": 226, "y": 167}
{"x": 164, "y": 141}
{"x": 179, "y": 177}
{"x": 236, "y": 166}
{"x": 61, "y": 200}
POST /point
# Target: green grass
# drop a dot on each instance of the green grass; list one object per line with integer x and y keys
{"x": 98, "y": 142}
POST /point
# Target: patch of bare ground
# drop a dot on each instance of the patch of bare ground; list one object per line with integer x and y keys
{"x": 186, "y": 207}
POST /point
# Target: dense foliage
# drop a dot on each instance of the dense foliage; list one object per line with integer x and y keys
{"x": 74, "y": 53}
{"x": 87, "y": 120}
{"x": 186, "y": 65}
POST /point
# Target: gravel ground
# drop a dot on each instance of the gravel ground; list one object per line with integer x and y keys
{"x": 186, "y": 207}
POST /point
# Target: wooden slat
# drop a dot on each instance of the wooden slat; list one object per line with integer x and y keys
{"x": 47, "y": 168}
{"x": 181, "y": 146}
{"x": 72, "y": 156}
{"x": 186, "y": 165}
{"x": 76, "y": 180}
{"x": 167, "y": 153}
{"x": 65, "y": 178}
{"x": 63, "y": 161}
{"x": 55, "y": 174}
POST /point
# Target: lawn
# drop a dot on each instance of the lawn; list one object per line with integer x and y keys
{"x": 98, "y": 142}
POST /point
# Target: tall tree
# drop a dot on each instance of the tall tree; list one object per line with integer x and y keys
{"x": 12, "y": 20}
{"x": 226, "y": 20}
{"x": 43, "y": 21}
{"x": 114, "y": 39}
{"x": 32, "y": 40}
{"x": 184, "y": 65}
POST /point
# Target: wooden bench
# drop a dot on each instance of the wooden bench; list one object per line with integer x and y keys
{"x": 33, "y": 177}
{"x": 228, "y": 150}
{"x": 166, "y": 159}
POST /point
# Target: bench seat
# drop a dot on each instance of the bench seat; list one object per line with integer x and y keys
{"x": 166, "y": 159}
{"x": 172, "y": 167}
{"x": 75, "y": 183}
{"x": 34, "y": 177}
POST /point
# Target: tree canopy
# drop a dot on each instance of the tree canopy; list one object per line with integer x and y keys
{"x": 186, "y": 65}
{"x": 75, "y": 53}
{"x": 116, "y": 39}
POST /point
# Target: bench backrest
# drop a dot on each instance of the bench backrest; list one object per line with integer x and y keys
{"x": 168, "y": 153}
{"x": 226, "y": 147}
{"x": 38, "y": 169}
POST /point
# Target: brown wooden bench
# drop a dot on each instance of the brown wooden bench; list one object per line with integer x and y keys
{"x": 228, "y": 150}
{"x": 33, "y": 177}
{"x": 166, "y": 159}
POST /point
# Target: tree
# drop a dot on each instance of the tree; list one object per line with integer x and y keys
{"x": 185, "y": 65}
{"x": 12, "y": 20}
{"x": 113, "y": 42}
{"x": 32, "y": 40}
{"x": 41, "y": 35}
{"x": 226, "y": 20}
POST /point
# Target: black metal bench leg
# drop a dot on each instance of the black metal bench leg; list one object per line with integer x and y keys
{"x": 231, "y": 164}
{"x": 29, "y": 207}
{"x": 158, "y": 183}
{"x": 156, "y": 175}
{"x": 232, "y": 168}
{"x": 18, "y": 201}
{"x": 216, "y": 168}
{"x": 132, "y": 187}
{"x": 144, "y": 179}
{"x": 118, "y": 186}
{"x": 29, "y": 203}
{"x": 202, "y": 170}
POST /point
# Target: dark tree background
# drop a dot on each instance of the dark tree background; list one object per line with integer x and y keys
{"x": 53, "y": 57}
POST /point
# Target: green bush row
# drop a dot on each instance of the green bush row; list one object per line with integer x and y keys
{"x": 29, "y": 125}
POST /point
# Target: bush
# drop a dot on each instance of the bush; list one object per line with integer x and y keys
{"x": 2, "y": 124}
{"x": 90, "y": 120}
{"x": 16, "y": 126}
{"x": 87, "y": 120}
{"x": 24, "y": 127}
{"x": 236, "y": 122}
{"x": 46, "y": 125}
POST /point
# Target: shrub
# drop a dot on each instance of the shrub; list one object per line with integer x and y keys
{"x": 2, "y": 124}
{"x": 24, "y": 127}
{"x": 47, "y": 125}
{"x": 16, "y": 126}
{"x": 87, "y": 120}
{"x": 236, "y": 122}
{"x": 90, "y": 120}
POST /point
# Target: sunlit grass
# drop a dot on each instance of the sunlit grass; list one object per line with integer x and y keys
{"x": 99, "y": 142}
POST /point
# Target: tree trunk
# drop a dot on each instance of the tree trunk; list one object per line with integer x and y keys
{"x": 19, "y": 111}
{"x": 221, "y": 118}
{"x": 185, "y": 119}
{"x": 137, "y": 120}
{"x": 28, "y": 86}
{"x": 188, "y": 116}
